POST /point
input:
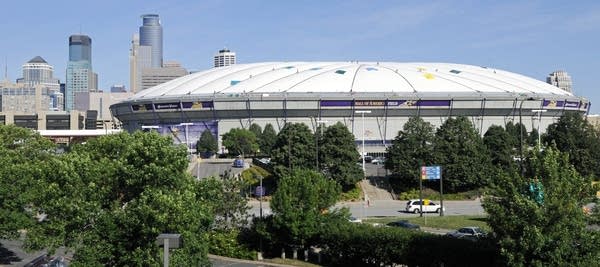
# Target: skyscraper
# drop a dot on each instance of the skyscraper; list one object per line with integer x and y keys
{"x": 560, "y": 79}
{"x": 224, "y": 58}
{"x": 37, "y": 72}
{"x": 151, "y": 35}
{"x": 80, "y": 48}
{"x": 155, "y": 76}
{"x": 146, "y": 50}
{"x": 80, "y": 77}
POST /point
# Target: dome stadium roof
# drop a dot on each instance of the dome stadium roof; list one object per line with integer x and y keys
{"x": 353, "y": 77}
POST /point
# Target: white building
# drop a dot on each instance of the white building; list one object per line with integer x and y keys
{"x": 224, "y": 58}
{"x": 155, "y": 76}
{"x": 382, "y": 96}
{"x": 561, "y": 79}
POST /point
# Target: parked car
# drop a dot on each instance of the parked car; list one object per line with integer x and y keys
{"x": 238, "y": 163}
{"x": 404, "y": 224}
{"x": 378, "y": 160}
{"x": 470, "y": 233}
{"x": 354, "y": 220}
{"x": 414, "y": 205}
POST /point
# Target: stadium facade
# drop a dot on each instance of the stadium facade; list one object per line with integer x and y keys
{"x": 236, "y": 96}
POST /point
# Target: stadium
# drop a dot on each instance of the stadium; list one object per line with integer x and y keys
{"x": 373, "y": 99}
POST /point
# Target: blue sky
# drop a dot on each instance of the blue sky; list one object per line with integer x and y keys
{"x": 532, "y": 38}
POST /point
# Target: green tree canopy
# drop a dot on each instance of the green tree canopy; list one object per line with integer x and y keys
{"x": 207, "y": 144}
{"x": 21, "y": 151}
{"x": 338, "y": 155}
{"x": 460, "y": 151}
{"x": 547, "y": 228}
{"x": 225, "y": 201}
{"x": 498, "y": 143}
{"x": 412, "y": 148}
{"x": 257, "y": 130}
{"x": 574, "y": 135}
{"x": 240, "y": 142}
{"x": 300, "y": 205}
{"x": 516, "y": 137}
{"x": 109, "y": 199}
{"x": 294, "y": 147}
{"x": 268, "y": 138}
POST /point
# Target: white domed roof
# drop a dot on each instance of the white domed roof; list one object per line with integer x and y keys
{"x": 352, "y": 77}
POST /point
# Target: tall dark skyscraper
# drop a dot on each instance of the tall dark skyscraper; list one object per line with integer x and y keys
{"x": 80, "y": 77}
{"x": 151, "y": 35}
{"x": 80, "y": 48}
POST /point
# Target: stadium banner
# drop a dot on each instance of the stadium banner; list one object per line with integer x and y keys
{"x": 381, "y": 103}
{"x": 173, "y": 106}
{"x": 560, "y": 104}
{"x": 572, "y": 104}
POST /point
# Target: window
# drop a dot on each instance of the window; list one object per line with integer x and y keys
{"x": 340, "y": 71}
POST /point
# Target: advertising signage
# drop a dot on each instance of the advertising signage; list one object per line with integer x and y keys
{"x": 172, "y": 106}
{"x": 563, "y": 103}
{"x": 431, "y": 172}
{"x": 382, "y": 103}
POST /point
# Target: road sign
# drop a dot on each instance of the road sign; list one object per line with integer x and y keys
{"x": 431, "y": 172}
{"x": 259, "y": 191}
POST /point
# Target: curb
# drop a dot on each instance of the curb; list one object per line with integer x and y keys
{"x": 261, "y": 263}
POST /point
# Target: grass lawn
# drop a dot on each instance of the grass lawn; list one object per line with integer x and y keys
{"x": 445, "y": 222}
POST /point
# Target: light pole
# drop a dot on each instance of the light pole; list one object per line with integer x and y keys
{"x": 539, "y": 112}
{"x": 187, "y": 143}
{"x": 521, "y": 135}
{"x": 317, "y": 141}
{"x": 261, "y": 192}
{"x": 362, "y": 113}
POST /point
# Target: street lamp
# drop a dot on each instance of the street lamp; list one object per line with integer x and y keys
{"x": 187, "y": 143}
{"x": 317, "y": 141}
{"x": 539, "y": 112}
{"x": 362, "y": 113}
{"x": 521, "y": 135}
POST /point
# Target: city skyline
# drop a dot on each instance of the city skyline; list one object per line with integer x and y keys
{"x": 534, "y": 38}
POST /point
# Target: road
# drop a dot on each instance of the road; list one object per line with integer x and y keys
{"x": 214, "y": 167}
{"x": 392, "y": 208}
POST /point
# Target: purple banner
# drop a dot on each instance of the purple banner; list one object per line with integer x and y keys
{"x": 187, "y": 133}
{"x": 336, "y": 103}
{"x": 381, "y": 103}
{"x": 433, "y": 103}
{"x": 554, "y": 103}
{"x": 572, "y": 104}
{"x": 173, "y": 106}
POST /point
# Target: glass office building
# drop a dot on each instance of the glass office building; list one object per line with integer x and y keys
{"x": 151, "y": 35}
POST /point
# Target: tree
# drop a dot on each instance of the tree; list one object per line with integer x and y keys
{"x": 572, "y": 134}
{"x": 532, "y": 140}
{"x": 338, "y": 155}
{"x": 412, "y": 148}
{"x": 240, "y": 142}
{"x": 515, "y": 136}
{"x": 225, "y": 201}
{"x": 538, "y": 220}
{"x": 109, "y": 199}
{"x": 255, "y": 128}
{"x": 460, "y": 151}
{"x": 300, "y": 206}
{"x": 294, "y": 148}
{"x": 268, "y": 139}
{"x": 207, "y": 144}
{"x": 498, "y": 143}
{"x": 21, "y": 150}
